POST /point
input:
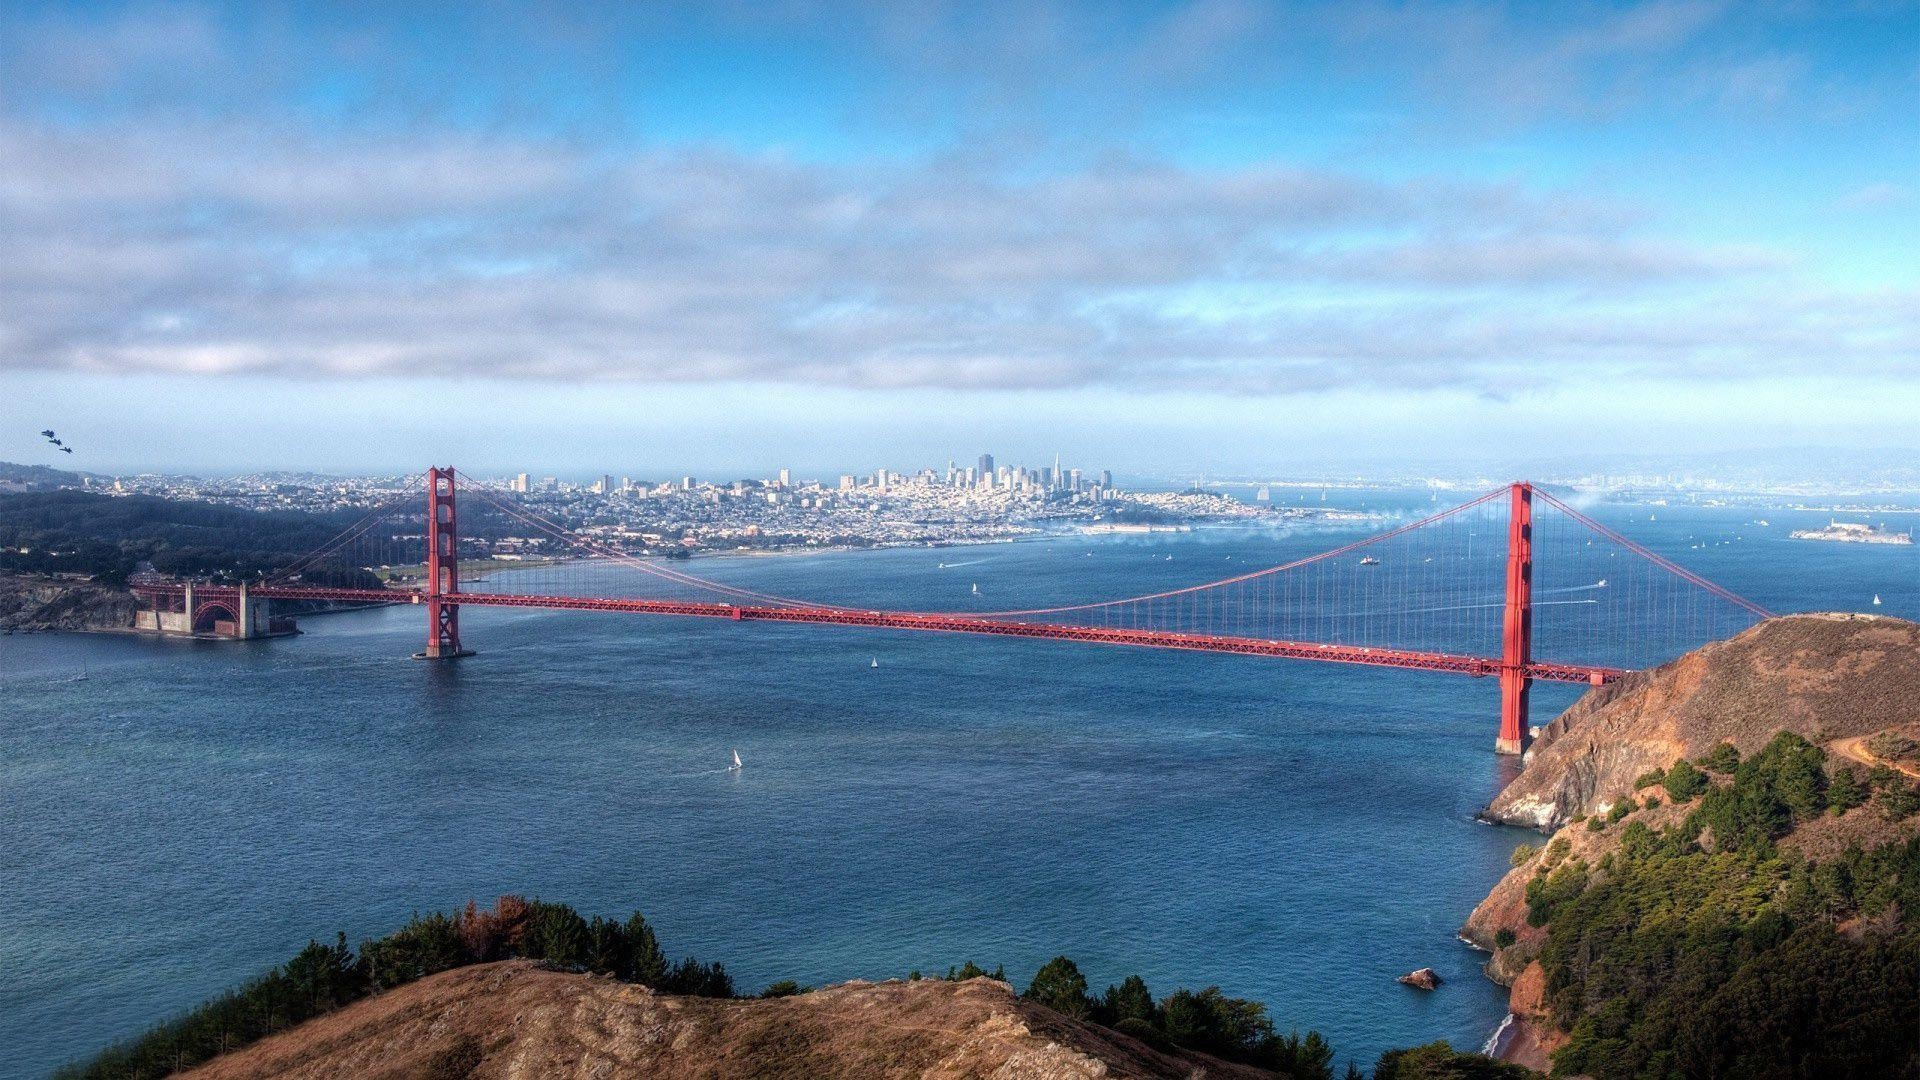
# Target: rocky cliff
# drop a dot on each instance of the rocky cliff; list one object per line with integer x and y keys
{"x": 517, "y": 1019}
{"x": 1824, "y": 677}
{"x": 31, "y": 602}
{"x": 1833, "y": 679}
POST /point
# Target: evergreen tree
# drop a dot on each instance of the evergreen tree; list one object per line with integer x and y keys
{"x": 1059, "y": 986}
{"x": 1128, "y": 1001}
{"x": 1683, "y": 781}
{"x": 646, "y": 964}
{"x": 607, "y": 949}
{"x": 1844, "y": 792}
{"x": 1723, "y": 758}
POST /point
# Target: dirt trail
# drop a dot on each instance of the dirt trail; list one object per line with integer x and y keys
{"x": 1855, "y": 749}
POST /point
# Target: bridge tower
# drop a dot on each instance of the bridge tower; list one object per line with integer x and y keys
{"x": 1516, "y": 646}
{"x": 443, "y": 569}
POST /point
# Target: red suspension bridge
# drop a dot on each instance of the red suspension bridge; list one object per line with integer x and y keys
{"x": 1491, "y": 587}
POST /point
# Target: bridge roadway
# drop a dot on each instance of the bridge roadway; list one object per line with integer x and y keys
{"x": 932, "y": 621}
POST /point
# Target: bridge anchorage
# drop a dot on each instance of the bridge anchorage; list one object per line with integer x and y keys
{"x": 1488, "y": 588}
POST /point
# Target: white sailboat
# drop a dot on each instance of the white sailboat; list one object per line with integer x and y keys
{"x": 976, "y": 588}
{"x": 735, "y": 767}
{"x": 1876, "y": 599}
{"x": 875, "y": 663}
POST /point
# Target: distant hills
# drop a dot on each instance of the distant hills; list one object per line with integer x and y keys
{"x": 36, "y": 478}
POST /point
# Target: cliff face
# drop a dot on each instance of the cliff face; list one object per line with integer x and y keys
{"x": 30, "y": 602}
{"x": 516, "y": 1019}
{"x": 1829, "y": 678}
{"x": 1823, "y": 677}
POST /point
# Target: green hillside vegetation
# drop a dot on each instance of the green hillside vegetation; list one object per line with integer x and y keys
{"x": 1707, "y": 950}
{"x": 107, "y": 536}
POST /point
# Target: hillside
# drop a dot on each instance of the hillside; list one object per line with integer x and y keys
{"x": 1732, "y": 864}
{"x": 1823, "y": 677}
{"x": 517, "y": 1018}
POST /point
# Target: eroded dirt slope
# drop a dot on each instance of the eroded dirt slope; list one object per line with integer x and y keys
{"x": 516, "y": 1019}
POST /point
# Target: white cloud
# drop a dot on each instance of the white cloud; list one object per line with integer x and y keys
{"x": 201, "y": 250}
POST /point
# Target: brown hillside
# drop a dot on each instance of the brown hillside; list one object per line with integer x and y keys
{"x": 1824, "y": 677}
{"x": 517, "y": 1019}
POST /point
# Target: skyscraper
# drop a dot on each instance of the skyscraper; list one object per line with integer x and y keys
{"x": 786, "y": 477}
{"x": 520, "y": 483}
{"x": 986, "y": 465}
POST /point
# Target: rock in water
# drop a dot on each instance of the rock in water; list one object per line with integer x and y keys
{"x": 1424, "y": 979}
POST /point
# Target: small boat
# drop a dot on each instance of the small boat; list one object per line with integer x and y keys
{"x": 976, "y": 588}
{"x": 1876, "y": 599}
{"x": 735, "y": 767}
{"x": 1368, "y": 560}
{"x": 1601, "y": 584}
{"x": 875, "y": 662}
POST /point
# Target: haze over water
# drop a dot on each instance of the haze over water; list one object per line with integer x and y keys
{"x": 178, "y": 817}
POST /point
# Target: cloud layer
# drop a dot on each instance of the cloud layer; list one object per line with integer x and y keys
{"x": 192, "y": 234}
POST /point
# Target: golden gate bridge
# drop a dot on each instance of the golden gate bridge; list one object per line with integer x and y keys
{"x": 1514, "y": 585}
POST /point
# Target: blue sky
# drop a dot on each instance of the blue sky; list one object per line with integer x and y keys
{"x": 1222, "y": 235}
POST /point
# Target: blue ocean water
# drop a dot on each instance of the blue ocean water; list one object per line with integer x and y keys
{"x": 176, "y": 817}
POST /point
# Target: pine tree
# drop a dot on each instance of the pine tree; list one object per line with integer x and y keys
{"x": 1059, "y": 986}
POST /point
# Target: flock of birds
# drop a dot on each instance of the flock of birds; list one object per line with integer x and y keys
{"x": 55, "y": 440}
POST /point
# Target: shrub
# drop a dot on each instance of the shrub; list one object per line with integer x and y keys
{"x": 1897, "y": 802}
{"x": 1622, "y": 809}
{"x": 424, "y": 946}
{"x": 1547, "y": 891}
{"x": 1143, "y": 1030}
{"x": 1213, "y": 1022}
{"x": 1522, "y": 853}
{"x": 1440, "y": 1061}
{"x": 695, "y": 979}
{"x": 789, "y": 988}
{"x": 1649, "y": 779}
{"x": 1504, "y": 937}
{"x": 1844, "y": 792}
{"x": 1893, "y": 746}
{"x": 1683, "y": 782}
{"x": 971, "y": 970}
{"x": 1723, "y": 758}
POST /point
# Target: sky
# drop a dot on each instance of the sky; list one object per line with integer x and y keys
{"x": 1222, "y": 236}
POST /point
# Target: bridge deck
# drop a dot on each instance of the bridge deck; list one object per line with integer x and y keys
{"x": 938, "y": 623}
